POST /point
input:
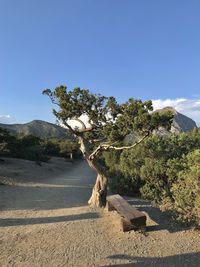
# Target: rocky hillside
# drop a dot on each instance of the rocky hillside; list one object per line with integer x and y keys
{"x": 181, "y": 123}
{"x": 38, "y": 128}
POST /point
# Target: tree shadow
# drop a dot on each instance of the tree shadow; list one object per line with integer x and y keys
{"x": 43, "y": 220}
{"x": 163, "y": 220}
{"x": 72, "y": 189}
{"x": 186, "y": 260}
{"x": 50, "y": 174}
{"x": 43, "y": 197}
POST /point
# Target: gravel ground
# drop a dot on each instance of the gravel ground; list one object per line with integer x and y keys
{"x": 45, "y": 221}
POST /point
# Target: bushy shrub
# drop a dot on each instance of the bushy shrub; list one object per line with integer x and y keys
{"x": 51, "y": 147}
{"x": 69, "y": 146}
{"x": 112, "y": 159}
{"x": 35, "y": 153}
{"x": 186, "y": 190}
{"x": 34, "y": 148}
{"x": 121, "y": 184}
{"x": 6, "y": 139}
{"x": 153, "y": 173}
{"x": 165, "y": 170}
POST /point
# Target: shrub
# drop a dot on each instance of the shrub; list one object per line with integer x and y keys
{"x": 186, "y": 191}
{"x": 165, "y": 170}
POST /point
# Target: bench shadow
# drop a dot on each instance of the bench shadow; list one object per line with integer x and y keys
{"x": 163, "y": 220}
{"x": 43, "y": 220}
{"x": 186, "y": 260}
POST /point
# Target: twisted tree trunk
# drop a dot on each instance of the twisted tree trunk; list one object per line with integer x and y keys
{"x": 99, "y": 192}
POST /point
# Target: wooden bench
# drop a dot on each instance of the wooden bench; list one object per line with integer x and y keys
{"x": 130, "y": 217}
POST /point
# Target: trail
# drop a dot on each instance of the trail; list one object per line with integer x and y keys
{"x": 69, "y": 189}
{"x": 45, "y": 221}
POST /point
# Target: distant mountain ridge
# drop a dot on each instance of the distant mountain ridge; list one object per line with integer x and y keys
{"x": 38, "y": 128}
{"x": 181, "y": 123}
{"x": 43, "y": 129}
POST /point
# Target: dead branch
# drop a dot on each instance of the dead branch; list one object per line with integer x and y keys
{"x": 102, "y": 147}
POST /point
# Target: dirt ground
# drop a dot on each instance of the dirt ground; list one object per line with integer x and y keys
{"x": 45, "y": 221}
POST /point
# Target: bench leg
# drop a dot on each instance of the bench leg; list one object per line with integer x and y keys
{"x": 126, "y": 225}
{"x": 109, "y": 207}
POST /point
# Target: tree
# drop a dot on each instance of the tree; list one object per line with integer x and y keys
{"x": 108, "y": 124}
{"x": 3, "y": 140}
{"x": 6, "y": 141}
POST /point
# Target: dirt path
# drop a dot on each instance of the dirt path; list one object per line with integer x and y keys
{"x": 45, "y": 221}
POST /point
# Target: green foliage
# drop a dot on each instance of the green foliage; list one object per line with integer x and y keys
{"x": 57, "y": 147}
{"x": 3, "y": 141}
{"x": 29, "y": 140}
{"x": 51, "y": 147}
{"x": 165, "y": 170}
{"x": 34, "y": 148}
{"x": 112, "y": 159}
{"x": 111, "y": 122}
{"x": 121, "y": 184}
{"x": 6, "y": 142}
{"x": 107, "y": 118}
{"x": 186, "y": 190}
{"x": 153, "y": 174}
{"x": 35, "y": 153}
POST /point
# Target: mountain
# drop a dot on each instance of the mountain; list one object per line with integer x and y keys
{"x": 43, "y": 129}
{"x": 38, "y": 128}
{"x": 181, "y": 123}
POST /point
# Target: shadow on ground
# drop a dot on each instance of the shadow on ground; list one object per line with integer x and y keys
{"x": 72, "y": 189}
{"x": 43, "y": 198}
{"x": 186, "y": 260}
{"x": 31, "y": 221}
{"x": 162, "y": 220}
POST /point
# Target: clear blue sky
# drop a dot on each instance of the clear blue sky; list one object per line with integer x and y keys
{"x": 148, "y": 49}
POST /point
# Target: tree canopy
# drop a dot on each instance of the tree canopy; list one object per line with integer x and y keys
{"x": 109, "y": 122}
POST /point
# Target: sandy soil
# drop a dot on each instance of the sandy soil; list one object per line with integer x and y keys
{"x": 45, "y": 221}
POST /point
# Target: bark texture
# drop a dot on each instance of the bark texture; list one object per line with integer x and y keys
{"x": 99, "y": 192}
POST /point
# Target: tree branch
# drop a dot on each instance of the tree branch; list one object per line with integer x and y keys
{"x": 110, "y": 146}
{"x": 128, "y": 147}
{"x": 99, "y": 149}
{"x": 97, "y": 140}
{"x": 87, "y": 130}
{"x": 70, "y": 128}
{"x": 51, "y": 96}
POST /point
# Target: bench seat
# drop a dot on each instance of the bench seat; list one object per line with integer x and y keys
{"x": 131, "y": 218}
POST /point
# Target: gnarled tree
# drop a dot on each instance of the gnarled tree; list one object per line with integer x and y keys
{"x": 108, "y": 122}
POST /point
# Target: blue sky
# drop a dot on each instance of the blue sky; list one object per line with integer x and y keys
{"x": 126, "y": 48}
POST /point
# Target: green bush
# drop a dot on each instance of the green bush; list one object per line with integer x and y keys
{"x": 153, "y": 173}
{"x": 6, "y": 139}
{"x": 121, "y": 184}
{"x": 34, "y": 148}
{"x": 186, "y": 190}
{"x": 165, "y": 170}
{"x": 51, "y": 147}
